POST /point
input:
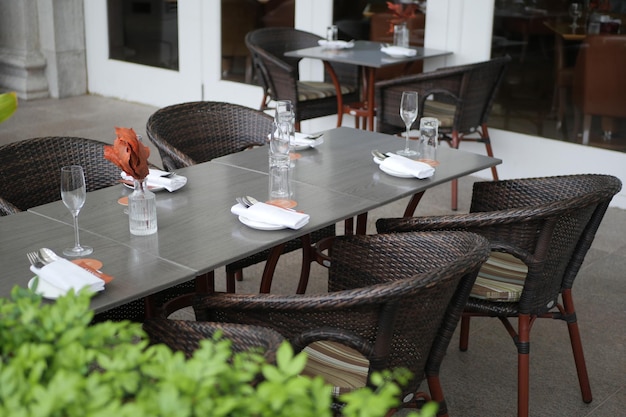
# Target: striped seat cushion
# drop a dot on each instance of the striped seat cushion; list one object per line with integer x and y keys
{"x": 501, "y": 278}
{"x": 442, "y": 111}
{"x": 342, "y": 367}
{"x": 313, "y": 90}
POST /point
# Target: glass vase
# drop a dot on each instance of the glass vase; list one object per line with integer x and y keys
{"x": 401, "y": 35}
{"x": 142, "y": 214}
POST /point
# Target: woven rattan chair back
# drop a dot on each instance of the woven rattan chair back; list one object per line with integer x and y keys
{"x": 31, "y": 169}
{"x": 185, "y": 336}
{"x": 279, "y": 75}
{"x": 462, "y": 98}
{"x": 548, "y": 225}
{"x": 390, "y": 298}
{"x": 191, "y": 133}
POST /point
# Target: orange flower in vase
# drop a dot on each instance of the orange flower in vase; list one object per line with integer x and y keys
{"x": 129, "y": 153}
{"x": 131, "y": 156}
{"x": 402, "y": 13}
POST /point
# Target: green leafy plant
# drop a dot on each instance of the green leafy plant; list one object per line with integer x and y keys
{"x": 53, "y": 362}
{"x": 8, "y": 105}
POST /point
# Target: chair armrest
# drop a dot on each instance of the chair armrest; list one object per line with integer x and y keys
{"x": 7, "y": 208}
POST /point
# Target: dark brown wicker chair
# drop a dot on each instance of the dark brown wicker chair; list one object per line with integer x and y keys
{"x": 279, "y": 75}
{"x": 31, "y": 170}
{"x": 191, "y": 133}
{"x": 393, "y": 301}
{"x": 31, "y": 173}
{"x": 462, "y": 100}
{"x": 540, "y": 230}
{"x": 185, "y": 336}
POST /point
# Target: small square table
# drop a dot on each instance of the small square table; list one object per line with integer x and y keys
{"x": 369, "y": 57}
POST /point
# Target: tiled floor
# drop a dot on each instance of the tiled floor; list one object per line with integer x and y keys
{"x": 482, "y": 381}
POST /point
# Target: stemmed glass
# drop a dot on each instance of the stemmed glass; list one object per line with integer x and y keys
{"x": 575, "y": 11}
{"x": 73, "y": 194}
{"x": 408, "y": 113}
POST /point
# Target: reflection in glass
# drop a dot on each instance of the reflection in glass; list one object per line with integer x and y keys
{"x": 144, "y": 32}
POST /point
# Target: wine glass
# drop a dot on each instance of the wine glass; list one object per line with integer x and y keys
{"x": 408, "y": 113}
{"x": 575, "y": 11}
{"x": 73, "y": 194}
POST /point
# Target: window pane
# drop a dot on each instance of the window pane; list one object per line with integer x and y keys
{"x": 240, "y": 17}
{"x": 144, "y": 32}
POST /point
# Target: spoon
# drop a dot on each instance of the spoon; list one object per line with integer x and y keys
{"x": 378, "y": 155}
{"x": 48, "y": 255}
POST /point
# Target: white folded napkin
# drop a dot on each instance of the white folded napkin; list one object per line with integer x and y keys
{"x": 156, "y": 179}
{"x": 269, "y": 214}
{"x": 335, "y": 44}
{"x": 404, "y": 165}
{"x": 398, "y": 51}
{"x": 65, "y": 275}
{"x": 302, "y": 140}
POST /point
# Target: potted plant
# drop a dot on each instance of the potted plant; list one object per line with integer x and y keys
{"x": 8, "y": 105}
{"x": 53, "y": 362}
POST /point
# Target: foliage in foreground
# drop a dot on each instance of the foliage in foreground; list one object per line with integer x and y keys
{"x": 54, "y": 363}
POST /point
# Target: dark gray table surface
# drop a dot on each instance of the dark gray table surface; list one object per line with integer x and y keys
{"x": 364, "y": 54}
{"x": 197, "y": 233}
{"x": 195, "y": 226}
{"x": 137, "y": 271}
{"x": 343, "y": 163}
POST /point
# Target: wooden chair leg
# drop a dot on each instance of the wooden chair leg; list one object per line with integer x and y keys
{"x": 307, "y": 258}
{"x": 409, "y": 211}
{"x": 436, "y": 393}
{"x": 523, "y": 365}
{"x": 487, "y": 140}
{"x": 577, "y": 346}
{"x": 270, "y": 267}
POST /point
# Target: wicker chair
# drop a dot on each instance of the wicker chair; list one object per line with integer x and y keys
{"x": 185, "y": 336}
{"x": 279, "y": 75}
{"x": 31, "y": 170}
{"x": 393, "y": 301}
{"x": 31, "y": 174}
{"x": 540, "y": 230}
{"x": 190, "y": 133}
{"x": 462, "y": 100}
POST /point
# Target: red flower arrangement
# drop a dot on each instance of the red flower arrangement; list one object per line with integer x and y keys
{"x": 402, "y": 12}
{"x": 128, "y": 153}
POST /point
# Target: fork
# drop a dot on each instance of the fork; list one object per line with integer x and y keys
{"x": 243, "y": 201}
{"x": 35, "y": 260}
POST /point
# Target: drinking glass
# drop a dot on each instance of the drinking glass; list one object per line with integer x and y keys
{"x": 284, "y": 114}
{"x": 73, "y": 194}
{"x": 408, "y": 113}
{"x": 429, "y": 140}
{"x": 575, "y": 11}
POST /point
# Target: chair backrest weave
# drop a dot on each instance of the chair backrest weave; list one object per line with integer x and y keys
{"x": 190, "y": 133}
{"x": 31, "y": 169}
{"x": 558, "y": 219}
{"x": 388, "y": 298}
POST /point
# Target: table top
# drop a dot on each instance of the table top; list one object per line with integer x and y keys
{"x": 343, "y": 163}
{"x": 197, "y": 232}
{"x": 138, "y": 271}
{"x": 365, "y": 54}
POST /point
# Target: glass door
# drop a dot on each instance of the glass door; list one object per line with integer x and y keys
{"x": 138, "y": 50}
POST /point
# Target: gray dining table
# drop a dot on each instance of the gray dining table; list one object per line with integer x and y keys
{"x": 138, "y": 271}
{"x": 197, "y": 233}
{"x": 368, "y": 56}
